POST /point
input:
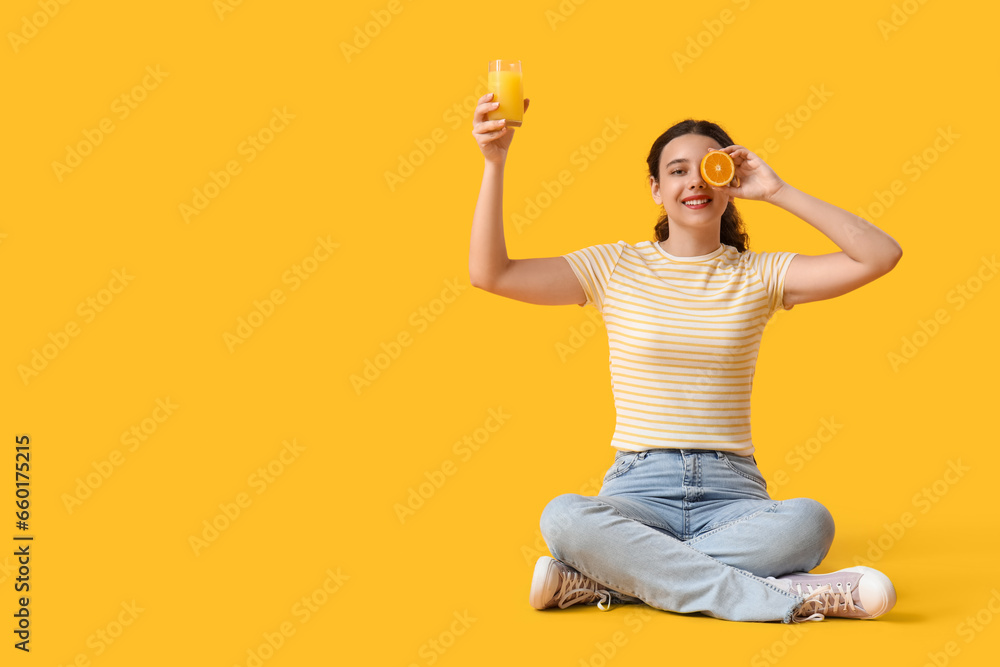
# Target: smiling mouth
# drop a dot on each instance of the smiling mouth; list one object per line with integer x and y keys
{"x": 697, "y": 203}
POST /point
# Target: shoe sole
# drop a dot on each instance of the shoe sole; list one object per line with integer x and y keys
{"x": 538, "y": 582}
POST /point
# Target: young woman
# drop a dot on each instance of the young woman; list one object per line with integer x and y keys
{"x": 683, "y": 521}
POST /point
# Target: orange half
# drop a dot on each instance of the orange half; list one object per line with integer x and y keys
{"x": 718, "y": 170}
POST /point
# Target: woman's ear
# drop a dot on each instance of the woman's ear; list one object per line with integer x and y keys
{"x": 655, "y": 190}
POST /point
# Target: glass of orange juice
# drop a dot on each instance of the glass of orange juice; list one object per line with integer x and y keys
{"x": 504, "y": 81}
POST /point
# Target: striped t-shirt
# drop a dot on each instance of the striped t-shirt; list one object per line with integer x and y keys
{"x": 683, "y": 334}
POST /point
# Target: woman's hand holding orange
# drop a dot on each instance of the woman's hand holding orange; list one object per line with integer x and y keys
{"x": 757, "y": 180}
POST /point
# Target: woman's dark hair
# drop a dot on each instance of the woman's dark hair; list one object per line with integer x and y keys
{"x": 731, "y": 230}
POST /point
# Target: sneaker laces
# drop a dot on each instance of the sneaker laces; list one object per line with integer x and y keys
{"x": 578, "y": 588}
{"x": 825, "y": 599}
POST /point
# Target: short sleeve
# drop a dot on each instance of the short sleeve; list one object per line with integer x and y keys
{"x": 771, "y": 267}
{"x": 593, "y": 267}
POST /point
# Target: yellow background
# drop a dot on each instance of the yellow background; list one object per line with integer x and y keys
{"x": 468, "y": 551}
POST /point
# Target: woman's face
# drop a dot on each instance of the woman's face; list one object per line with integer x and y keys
{"x": 681, "y": 181}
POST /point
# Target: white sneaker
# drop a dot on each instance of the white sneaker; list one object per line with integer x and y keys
{"x": 854, "y": 592}
{"x": 556, "y": 584}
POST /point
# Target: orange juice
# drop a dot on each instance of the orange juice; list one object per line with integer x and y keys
{"x": 506, "y": 88}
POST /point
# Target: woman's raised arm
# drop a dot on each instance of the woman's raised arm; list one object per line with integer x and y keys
{"x": 866, "y": 252}
{"x": 543, "y": 280}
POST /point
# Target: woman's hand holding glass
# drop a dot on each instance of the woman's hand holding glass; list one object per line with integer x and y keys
{"x": 492, "y": 136}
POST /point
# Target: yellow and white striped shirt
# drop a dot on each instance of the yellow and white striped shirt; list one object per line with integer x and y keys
{"x": 683, "y": 334}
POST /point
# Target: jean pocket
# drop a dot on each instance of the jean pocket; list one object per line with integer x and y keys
{"x": 745, "y": 466}
{"x": 624, "y": 461}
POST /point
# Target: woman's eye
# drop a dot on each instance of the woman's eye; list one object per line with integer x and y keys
{"x": 676, "y": 171}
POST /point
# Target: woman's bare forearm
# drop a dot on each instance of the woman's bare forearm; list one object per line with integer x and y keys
{"x": 487, "y": 249}
{"x": 859, "y": 239}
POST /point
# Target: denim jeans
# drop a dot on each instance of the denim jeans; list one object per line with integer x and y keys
{"x": 690, "y": 530}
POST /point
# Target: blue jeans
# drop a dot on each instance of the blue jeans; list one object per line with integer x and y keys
{"x": 690, "y": 530}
